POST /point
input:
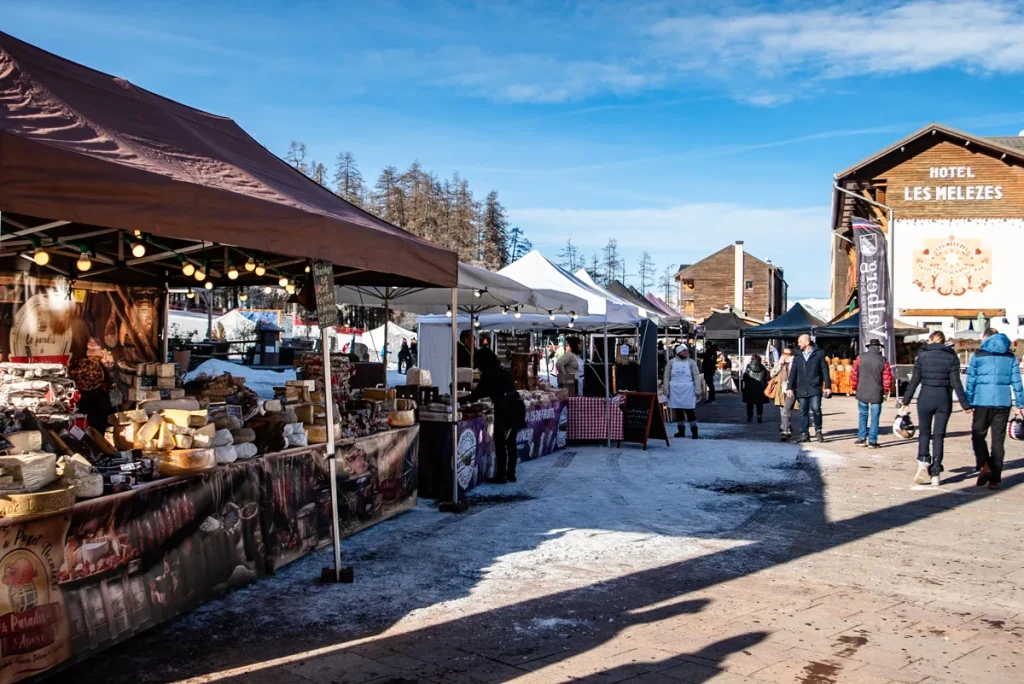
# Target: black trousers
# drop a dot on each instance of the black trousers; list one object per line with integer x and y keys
{"x": 684, "y": 416}
{"x": 506, "y": 455}
{"x": 750, "y": 410}
{"x": 934, "y": 406}
{"x": 710, "y": 381}
{"x": 992, "y": 418}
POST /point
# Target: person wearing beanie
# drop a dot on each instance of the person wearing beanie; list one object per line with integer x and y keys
{"x": 682, "y": 384}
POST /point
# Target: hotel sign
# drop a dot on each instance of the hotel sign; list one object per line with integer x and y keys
{"x": 944, "y": 192}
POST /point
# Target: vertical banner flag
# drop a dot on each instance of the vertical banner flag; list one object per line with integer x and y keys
{"x": 874, "y": 292}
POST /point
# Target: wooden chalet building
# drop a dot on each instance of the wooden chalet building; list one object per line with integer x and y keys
{"x": 957, "y": 237}
{"x": 732, "y": 278}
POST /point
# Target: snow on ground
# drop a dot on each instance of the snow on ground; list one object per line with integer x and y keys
{"x": 262, "y": 382}
{"x": 575, "y": 519}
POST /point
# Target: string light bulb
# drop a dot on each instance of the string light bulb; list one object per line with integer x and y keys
{"x": 448, "y": 313}
{"x": 190, "y": 294}
{"x": 476, "y": 324}
{"x": 250, "y": 265}
{"x": 267, "y": 289}
{"x": 571, "y": 324}
{"x": 242, "y": 296}
{"x": 232, "y": 273}
{"x": 308, "y": 269}
{"x": 200, "y": 273}
{"x": 208, "y": 285}
{"x": 261, "y": 270}
{"x": 477, "y": 293}
{"x": 138, "y": 246}
{"x": 41, "y": 257}
{"x": 290, "y": 287}
{"x": 187, "y": 268}
{"x": 504, "y": 311}
{"x": 551, "y": 315}
{"x": 282, "y": 281}
{"x": 84, "y": 263}
{"x": 518, "y": 313}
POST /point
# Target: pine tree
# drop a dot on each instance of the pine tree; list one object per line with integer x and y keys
{"x": 519, "y": 244}
{"x": 612, "y": 264}
{"x": 595, "y": 268}
{"x": 296, "y": 156}
{"x": 668, "y": 285}
{"x": 463, "y": 232}
{"x": 318, "y": 172}
{"x": 570, "y": 258}
{"x": 348, "y": 181}
{"x": 389, "y": 198}
{"x": 645, "y": 271}
{"x": 494, "y": 233}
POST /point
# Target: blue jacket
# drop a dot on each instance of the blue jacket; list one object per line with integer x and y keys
{"x": 806, "y": 377}
{"x": 993, "y": 371}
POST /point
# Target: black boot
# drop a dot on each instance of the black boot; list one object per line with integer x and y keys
{"x": 680, "y": 430}
{"x": 693, "y": 430}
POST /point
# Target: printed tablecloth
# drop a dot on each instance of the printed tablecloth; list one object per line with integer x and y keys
{"x": 588, "y": 418}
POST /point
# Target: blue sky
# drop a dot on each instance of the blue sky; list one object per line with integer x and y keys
{"x": 676, "y": 127}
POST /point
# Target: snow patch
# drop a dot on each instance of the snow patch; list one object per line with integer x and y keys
{"x": 260, "y": 381}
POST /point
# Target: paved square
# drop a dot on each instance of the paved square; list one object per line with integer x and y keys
{"x": 733, "y": 558}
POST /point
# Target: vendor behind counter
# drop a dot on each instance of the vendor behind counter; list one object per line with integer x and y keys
{"x": 496, "y": 383}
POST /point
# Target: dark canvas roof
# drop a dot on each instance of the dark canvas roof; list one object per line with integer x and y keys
{"x": 724, "y": 326}
{"x": 793, "y": 323}
{"x": 81, "y": 146}
{"x": 850, "y": 327}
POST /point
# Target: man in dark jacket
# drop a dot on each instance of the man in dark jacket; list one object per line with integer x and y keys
{"x": 937, "y": 372}
{"x": 464, "y": 354}
{"x": 990, "y": 376}
{"x": 807, "y": 376}
{"x": 497, "y": 384}
{"x": 708, "y": 367}
{"x": 871, "y": 380}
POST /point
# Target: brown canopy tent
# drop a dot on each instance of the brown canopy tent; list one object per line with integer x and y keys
{"x": 87, "y": 159}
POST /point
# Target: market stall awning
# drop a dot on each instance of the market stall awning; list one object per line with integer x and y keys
{"x": 850, "y": 327}
{"x": 82, "y": 151}
{"x": 642, "y": 311}
{"x": 535, "y": 271}
{"x": 724, "y": 325}
{"x": 478, "y": 290}
{"x": 795, "y": 322}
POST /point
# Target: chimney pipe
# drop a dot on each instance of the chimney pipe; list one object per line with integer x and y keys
{"x": 739, "y": 282}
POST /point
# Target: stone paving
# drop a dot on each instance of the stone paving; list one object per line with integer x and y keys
{"x": 836, "y": 571}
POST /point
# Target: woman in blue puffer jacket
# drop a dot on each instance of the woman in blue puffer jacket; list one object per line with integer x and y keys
{"x": 993, "y": 371}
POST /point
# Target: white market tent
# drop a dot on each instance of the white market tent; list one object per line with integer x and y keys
{"x": 374, "y": 340}
{"x": 535, "y": 271}
{"x": 641, "y": 311}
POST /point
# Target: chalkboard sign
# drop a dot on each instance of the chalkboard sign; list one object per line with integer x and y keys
{"x": 642, "y": 418}
{"x": 323, "y": 287}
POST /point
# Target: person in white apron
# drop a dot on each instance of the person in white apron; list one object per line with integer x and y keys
{"x": 682, "y": 384}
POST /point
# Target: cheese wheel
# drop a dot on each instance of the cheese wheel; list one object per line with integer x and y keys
{"x": 88, "y": 486}
{"x": 272, "y": 405}
{"x": 183, "y": 418}
{"x": 243, "y": 435}
{"x": 127, "y": 417}
{"x": 227, "y": 423}
{"x": 166, "y": 370}
{"x": 222, "y": 438}
{"x": 304, "y": 412}
{"x": 225, "y": 454}
{"x": 186, "y": 461}
{"x": 58, "y": 497}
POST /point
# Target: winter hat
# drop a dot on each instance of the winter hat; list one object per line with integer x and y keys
{"x": 681, "y": 348}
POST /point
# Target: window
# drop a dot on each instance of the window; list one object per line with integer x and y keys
{"x": 750, "y": 284}
{"x": 932, "y": 326}
{"x": 1020, "y": 321}
{"x": 961, "y": 324}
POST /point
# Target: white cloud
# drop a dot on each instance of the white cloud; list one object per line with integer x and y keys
{"x": 852, "y": 38}
{"x": 794, "y": 238}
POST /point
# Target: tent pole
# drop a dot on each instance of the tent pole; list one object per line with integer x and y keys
{"x": 331, "y": 456}
{"x": 455, "y": 398}
{"x": 387, "y": 319}
{"x": 607, "y": 390}
{"x": 167, "y": 323}
{"x": 472, "y": 348}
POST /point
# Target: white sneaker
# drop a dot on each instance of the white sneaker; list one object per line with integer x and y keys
{"x": 935, "y": 481}
{"x": 921, "y": 477}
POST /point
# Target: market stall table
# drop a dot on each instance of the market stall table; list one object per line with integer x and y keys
{"x": 122, "y": 563}
{"x": 589, "y": 420}
{"x": 545, "y": 432}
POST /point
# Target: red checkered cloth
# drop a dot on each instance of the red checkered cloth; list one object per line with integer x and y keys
{"x": 588, "y": 419}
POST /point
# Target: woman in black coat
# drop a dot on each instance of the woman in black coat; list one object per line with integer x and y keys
{"x": 497, "y": 384}
{"x": 754, "y": 382}
{"x": 937, "y": 372}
